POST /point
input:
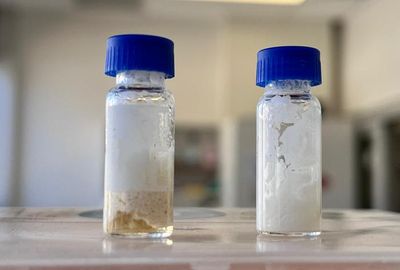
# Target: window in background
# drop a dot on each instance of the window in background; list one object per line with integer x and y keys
{"x": 7, "y": 96}
{"x": 393, "y": 131}
{"x": 196, "y": 161}
{"x": 364, "y": 167}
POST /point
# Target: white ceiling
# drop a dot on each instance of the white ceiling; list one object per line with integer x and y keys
{"x": 321, "y": 10}
{"x": 310, "y": 10}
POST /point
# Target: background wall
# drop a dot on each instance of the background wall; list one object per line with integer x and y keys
{"x": 63, "y": 150}
{"x": 63, "y": 88}
{"x": 53, "y": 87}
{"x": 371, "y": 57}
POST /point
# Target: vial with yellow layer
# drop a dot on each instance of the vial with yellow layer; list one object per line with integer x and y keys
{"x": 139, "y": 159}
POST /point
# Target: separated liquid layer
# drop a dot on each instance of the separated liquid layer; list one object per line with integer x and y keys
{"x": 139, "y": 213}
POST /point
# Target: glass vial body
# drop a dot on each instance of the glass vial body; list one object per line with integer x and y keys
{"x": 289, "y": 160}
{"x": 139, "y": 159}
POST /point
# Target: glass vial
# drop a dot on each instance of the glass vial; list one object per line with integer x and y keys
{"x": 288, "y": 142}
{"x": 139, "y": 158}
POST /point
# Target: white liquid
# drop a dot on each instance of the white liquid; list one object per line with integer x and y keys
{"x": 138, "y": 155}
{"x": 288, "y": 166}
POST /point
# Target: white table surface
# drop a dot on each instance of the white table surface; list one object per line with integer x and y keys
{"x": 71, "y": 238}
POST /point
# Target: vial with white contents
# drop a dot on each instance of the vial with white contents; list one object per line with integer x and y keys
{"x": 139, "y": 157}
{"x": 288, "y": 142}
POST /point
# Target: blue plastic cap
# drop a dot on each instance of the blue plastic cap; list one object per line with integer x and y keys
{"x": 139, "y": 52}
{"x": 288, "y": 63}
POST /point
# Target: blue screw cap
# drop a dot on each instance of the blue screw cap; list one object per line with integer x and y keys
{"x": 139, "y": 52}
{"x": 288, "y": 63}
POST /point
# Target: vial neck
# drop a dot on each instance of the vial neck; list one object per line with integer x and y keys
{"x": 141, "y": 80}
{"x": 288, "y": 87}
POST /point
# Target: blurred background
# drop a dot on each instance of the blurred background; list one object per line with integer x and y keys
{"x": 52, "y": 95}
